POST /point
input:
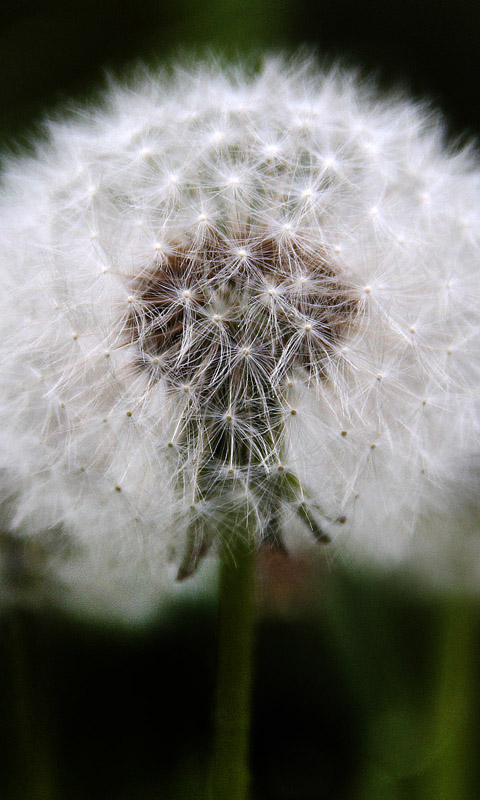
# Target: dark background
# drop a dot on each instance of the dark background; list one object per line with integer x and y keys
{"x": 52, "y": 51}
{"x": 344, "y": 692}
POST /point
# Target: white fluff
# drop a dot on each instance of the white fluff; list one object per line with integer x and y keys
{"x": 386, "y": 432}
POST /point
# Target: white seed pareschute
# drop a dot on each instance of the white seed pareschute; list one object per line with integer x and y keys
{"x": 223, "y": 285}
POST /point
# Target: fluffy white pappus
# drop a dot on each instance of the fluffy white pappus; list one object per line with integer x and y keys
{"x": 230, "y": 290}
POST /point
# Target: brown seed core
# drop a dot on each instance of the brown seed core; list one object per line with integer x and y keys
{"x": 277, "y": 306}
{"x": 226, "y": 323}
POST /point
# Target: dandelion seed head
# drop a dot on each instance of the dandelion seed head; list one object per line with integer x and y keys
{"x": 274, "y": 269}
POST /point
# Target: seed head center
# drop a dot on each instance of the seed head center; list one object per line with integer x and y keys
{"x": 180, "y": 303}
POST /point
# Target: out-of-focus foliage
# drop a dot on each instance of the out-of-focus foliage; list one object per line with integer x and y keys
{"x": 52, "y": 51}
{"x": 356, "y": 685}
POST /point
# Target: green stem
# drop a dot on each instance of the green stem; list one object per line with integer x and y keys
{"x": 229, "y": 778}
{"x": 449, "y": 776}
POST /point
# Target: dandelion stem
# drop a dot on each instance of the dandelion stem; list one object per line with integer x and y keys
{"x": 229, "y": 778}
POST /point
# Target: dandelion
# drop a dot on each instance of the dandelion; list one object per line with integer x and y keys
{"x": 225, "y": 290}
{"x": 242, "y": 308}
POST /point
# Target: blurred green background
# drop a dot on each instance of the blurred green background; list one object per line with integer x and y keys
{"x": 371, "y": 693}
{"x": 52, "y": 51}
